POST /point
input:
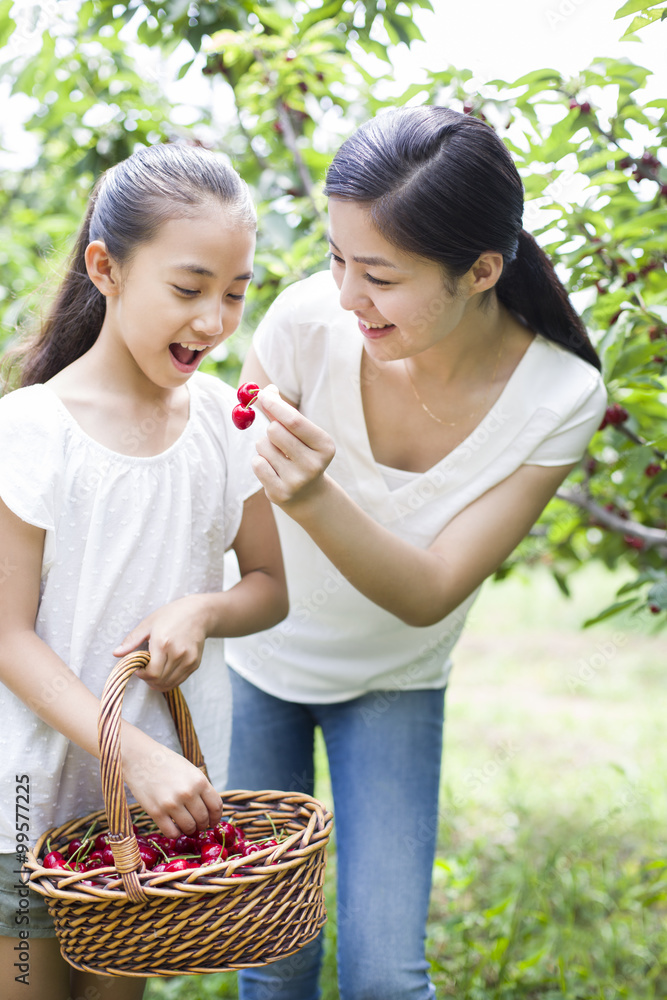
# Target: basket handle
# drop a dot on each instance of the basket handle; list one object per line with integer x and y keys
{"x": 122, "y": 840}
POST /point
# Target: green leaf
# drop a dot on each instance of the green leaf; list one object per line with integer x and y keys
{"x": 609, "y": 612}
{"x": 632, "y": 6}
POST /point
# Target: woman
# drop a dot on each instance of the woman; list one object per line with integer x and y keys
{"x": 441, "y": 388}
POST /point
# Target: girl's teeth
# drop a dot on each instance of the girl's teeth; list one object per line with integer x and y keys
{"x": 376, "y": 326}
{"x": 192, "y": 347}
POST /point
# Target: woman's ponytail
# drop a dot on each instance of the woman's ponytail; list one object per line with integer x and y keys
{"x": 441, "y": 185}
{"x": 531, "y": 289}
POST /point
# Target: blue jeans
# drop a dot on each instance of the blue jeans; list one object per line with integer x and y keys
{"x": 384, "y": 752}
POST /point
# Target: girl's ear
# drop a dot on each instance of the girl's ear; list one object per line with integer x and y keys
{"x": 102, "y": 269}
{"x": 485, "y": 272}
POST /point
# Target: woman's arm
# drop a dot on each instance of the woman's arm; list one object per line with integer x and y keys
{"x": 419, "y": 586}
{"x": 176, "y": 632}
{"x": 173, "y": 791}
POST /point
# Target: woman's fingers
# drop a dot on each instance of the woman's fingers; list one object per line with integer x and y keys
{"x": 300, "y": 427}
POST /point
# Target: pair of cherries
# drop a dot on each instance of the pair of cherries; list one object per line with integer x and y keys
{"x": 243, "y": 414}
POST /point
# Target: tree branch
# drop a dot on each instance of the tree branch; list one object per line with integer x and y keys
{"x": 651, "y": 537}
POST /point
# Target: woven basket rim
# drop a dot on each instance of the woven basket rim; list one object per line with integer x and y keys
{"x": 52, "y": 884}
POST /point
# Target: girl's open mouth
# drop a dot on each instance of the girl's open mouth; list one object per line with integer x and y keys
{"x": 185, "y": 357}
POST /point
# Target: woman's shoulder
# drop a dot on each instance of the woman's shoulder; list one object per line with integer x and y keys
{"x": 558, "y": 377}
{"x": 315, "y": 298}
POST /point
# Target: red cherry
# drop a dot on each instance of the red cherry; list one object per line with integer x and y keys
{"x": 614, "y": 414}
{"x": 165, "y": 844}
{"x": 180, "y": 865}
{"x": 655, "y": 609}
{"x": 108, "y": 858}
{"x": 186, "y": 845}
{"x": 652, "y": 469}
{"x": 74, "y": 846}
{"x": 149, "y": 855}
{"x": 633, "y": 542}
{"x": 101, "y": 841}
{"x": 213, "y": 853}
{"x": 227, "y": 834}
{"x": 76, "y": 866}
{"x": 242, "y": 417}
{"x": 161, "y": 867}
{"x": 247, "y": 393}
{"x": 95, "y": 860}
{"x": 585, "y": 108}
{"x": 54, "y": 859}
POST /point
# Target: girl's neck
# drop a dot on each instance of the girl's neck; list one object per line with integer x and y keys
{"x": 117, "y": 406}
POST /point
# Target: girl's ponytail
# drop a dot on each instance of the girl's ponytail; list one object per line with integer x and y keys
{"x": 74, "y": 321}
{"x": 530, "y": 288}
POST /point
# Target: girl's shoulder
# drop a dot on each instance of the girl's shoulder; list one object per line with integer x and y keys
{"x": 211, "y": 391}
{"x": 32, "y": 409}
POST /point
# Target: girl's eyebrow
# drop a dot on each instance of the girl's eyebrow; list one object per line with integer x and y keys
{"x": 368, "y": 261}
{"x": 204, "y": 271}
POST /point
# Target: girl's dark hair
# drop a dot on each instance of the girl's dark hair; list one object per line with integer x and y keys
{"x": 442, "y": 185}
{"x": 128, "y": 205}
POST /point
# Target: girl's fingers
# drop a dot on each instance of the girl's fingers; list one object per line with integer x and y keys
{"x": 132, "y": 640}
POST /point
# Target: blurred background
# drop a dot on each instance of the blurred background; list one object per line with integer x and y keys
{"x": 551, "y": 876}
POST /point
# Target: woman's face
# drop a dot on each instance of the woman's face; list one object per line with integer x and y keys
{"x": 401, "y": 302}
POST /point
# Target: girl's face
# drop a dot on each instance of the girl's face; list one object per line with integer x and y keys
{"x": 400, "y": 301}
{"x": 183, "y": 293}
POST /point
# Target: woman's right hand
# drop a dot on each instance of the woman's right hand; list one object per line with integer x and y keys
{"x": 293, "y": 457}
{"x": 174, "y": 793}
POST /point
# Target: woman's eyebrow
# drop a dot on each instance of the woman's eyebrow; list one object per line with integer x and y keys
{"x": 368, "y": 261}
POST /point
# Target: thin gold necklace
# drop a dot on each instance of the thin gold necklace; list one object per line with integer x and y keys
{"x": 447, "y": 423}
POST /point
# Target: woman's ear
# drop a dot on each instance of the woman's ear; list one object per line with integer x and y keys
{"x": 102, "y": 269}
{"x": 485, "y": 272}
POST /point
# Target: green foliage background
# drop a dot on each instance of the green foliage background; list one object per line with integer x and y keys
{"x": 285, "y": 83}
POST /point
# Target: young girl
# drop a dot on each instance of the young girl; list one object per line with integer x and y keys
{"x": 441, "y": 377}
{"x": 123, "y": 482}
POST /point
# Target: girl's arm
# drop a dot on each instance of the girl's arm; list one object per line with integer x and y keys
{"x": 419, "y": 586}
{"x": 176, "y": 632}
{"x": 171, "y": 789}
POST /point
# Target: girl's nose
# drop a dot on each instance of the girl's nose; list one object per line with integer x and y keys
{"x": 209, "y": 320}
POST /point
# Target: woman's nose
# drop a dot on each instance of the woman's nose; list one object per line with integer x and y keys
{"x": 353, "y": 292}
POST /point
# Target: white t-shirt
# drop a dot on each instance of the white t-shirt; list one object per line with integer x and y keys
{"x": 125, "y": 535}
{"x": 336, "y": 644}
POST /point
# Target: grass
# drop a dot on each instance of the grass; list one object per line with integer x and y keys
{"x": 551, "y": 875}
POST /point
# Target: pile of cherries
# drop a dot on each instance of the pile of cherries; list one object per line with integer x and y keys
{"x": 159, "y": 853}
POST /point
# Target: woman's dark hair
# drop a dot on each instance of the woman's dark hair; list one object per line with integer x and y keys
{"x": 128, "y": 205}
{"x": 442, "y": 185}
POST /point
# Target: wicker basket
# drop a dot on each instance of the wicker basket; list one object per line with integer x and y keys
{"x": 231, "y": 915}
